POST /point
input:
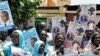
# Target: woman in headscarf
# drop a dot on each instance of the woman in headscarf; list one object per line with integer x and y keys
{"x": 17, "y": 41}
{"x": 38, "y": 49}
{"x": 93, "y": 43}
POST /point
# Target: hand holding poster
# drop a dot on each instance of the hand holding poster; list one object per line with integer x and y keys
{"x": 6, "y": 21}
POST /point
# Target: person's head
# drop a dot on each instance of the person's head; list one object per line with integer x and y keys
{"x": 3, "y": 35}
{"x": 75, "y": 45}
{"x": 4, "y": 16}
{"x": 95, "y": 39}
{"x": 39, "y": 47}
{"x": 18, "y": 38}
{"x": 59, "y": 39}
{"x": 33, "y": 40}
{"x": 42, "y": 25}
{"x": 43, "y": 35}
{"x": 89, "y": 33}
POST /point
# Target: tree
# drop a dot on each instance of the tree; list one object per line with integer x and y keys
{"x": 22, "y": 10}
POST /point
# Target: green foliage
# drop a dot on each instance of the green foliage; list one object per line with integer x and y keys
{"x": 23, "y": 9}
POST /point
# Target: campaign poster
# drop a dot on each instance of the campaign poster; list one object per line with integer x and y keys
{"x": 58, "y": 25}
{"x": 83, "y": 18}
{"x": 6, "y": 20}
{"x": 91, "y": 12}
{"x": 30, "y": 37}
{"x": 87, "y": 13}
{"x": 70, "y": 35}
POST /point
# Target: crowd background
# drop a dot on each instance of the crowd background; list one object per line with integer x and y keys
{"x": 81, "y": 42}
{"x": 60, "y": 38}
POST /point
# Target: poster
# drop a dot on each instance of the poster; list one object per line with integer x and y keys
{"x": 70, "y": 35}
{"x": 83, "y": 18}
{"x": 29, "y": 35}
{"x": 91, "y": 12}
{"x": 87, "y": 13}
{"x": 58, "y": 25}
{"x": 6, "y": 20}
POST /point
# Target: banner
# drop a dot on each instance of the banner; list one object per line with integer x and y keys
{"x": 6, "y": 20}
{"x": 29, "y": 35}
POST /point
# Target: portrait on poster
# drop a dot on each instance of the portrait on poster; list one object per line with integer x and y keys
{"x": 6, "y": 20}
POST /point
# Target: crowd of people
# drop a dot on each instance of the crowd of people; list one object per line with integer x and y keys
{"x": 89, "y": 45}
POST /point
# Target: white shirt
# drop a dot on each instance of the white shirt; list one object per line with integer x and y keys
{"x": 8, "y": 23}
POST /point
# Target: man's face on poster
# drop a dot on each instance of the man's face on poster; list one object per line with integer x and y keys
{"x": 32, "y": 41}
{"x": 4, "y": 16}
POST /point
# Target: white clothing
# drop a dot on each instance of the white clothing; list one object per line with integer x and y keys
{"x": 8, "y": 23}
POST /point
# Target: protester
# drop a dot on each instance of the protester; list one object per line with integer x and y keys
{"x": 38, "y": 49}
{"x": 17, "y": 41}
{"x": 40, "y": 26}
{"x": 86, "y": 38}
{"x": 94, "y": 42}
{"x": 43, "y": 36}
{"x": 58, "y": 49}
{"x": 3, "y": 40}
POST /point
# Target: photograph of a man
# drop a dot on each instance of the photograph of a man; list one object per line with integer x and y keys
{"x": 4, "y": 16}
{"x": 5, "y": 20}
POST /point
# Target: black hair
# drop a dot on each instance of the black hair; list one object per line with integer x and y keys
{"x": 95, "y": 35}
{"x": 61, "y": 47}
